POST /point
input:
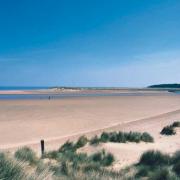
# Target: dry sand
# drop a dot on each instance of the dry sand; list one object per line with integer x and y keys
{"x": 26, "y": 122}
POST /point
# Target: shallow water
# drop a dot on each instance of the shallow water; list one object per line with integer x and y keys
{"x": 72, "y": 95}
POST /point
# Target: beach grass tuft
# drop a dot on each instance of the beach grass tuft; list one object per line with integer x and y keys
{"x": 26, "y": 154}
{"x": 154, "y": 158}
{"x": 170, "y": 130}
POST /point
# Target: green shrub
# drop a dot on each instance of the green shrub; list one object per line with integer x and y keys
{"x": 176, "y": 168}
{"x": 26, "y": 154}
{"x": 176, "y": 124}
{"x": 154, "y": 158}
{"x": 104, "y": 137}
{"x": 108, "y": 159}
{"x": 95, "y": 140}
{"x": 67, "y": 146}
{"x": 176, "y": 157}
{"x": 143, "y": 171}
{"x": 146, "y": 137}
{"x": 82, "y": 141}
{"x": 113, "y": 137}
{"x": 9, "y": 169}
{"x": 51, "y": 155}
{"x": 121, "y": 137}
{"x": 64, "y": 168}
{"x": 161, "y": 174}
{"x": 79, "y": 158}
{"x": 91, "y": 167}
{"x": 168, "y": 130}
{"x": 97, "y": 157}
{"x": 103, "y": 158}
{"x": 134, "y": 137}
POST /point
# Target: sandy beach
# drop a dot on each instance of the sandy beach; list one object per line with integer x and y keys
{"x": 26, "y": 122}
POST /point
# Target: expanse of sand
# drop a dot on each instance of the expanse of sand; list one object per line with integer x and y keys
{"x": 26, "y": 122}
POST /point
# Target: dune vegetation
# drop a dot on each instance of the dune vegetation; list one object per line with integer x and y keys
{"x": 170, "y": 130}
{"x": 156, "y": 166}
{"x": 68, "y": 163}
{"x": 121, "y": 137}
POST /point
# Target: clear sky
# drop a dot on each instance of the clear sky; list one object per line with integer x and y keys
{"x": 89, "y": 42}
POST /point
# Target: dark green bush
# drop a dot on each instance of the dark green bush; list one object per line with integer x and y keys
{"x": 176, "y": 124}
{"x": 10, "y": 170}
{"x": 64, "y": 168}
{"x": 176, "y": 168}
{"x": 104, "y": 137}
{"x": 154, "y": 158}
{"x": 91, "y": 167}
{"x": 26, "y": 154}
{"x": 113, "y": 137}
{"x": 168, "y": 130}
{"x": 103, "y": 158}
{"x": 143, "y": 171}
{"x": 121, "y": 137}
{"x": 108, "y": 159}
{"x": 82, "y": 141}
{"x": 51, "y": 155}
{"x": 97, "y": 157}
{"x": 67, "y": 146}
{"x": 146, "y": 137}
{"x": 161, "y": 174}
{"x": 95, "y": 140}
{"x": 134, "y": 137}
{"x": 176, "y": 157}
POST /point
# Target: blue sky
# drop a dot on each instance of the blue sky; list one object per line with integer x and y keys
{"x": 127, "y": 43}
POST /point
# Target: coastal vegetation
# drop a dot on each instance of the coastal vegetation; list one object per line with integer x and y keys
{"x": 156, "y": 165}
{"x": 68, "y": 163}
{"x": 122, "y": 137}
{"x": 165, "y": 86}
{"x": 170, "y": 130}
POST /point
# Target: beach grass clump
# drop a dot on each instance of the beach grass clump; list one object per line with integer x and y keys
{"x": 143, "y": 171}
{"x": 176, "y": 168}
{"x": 26, "y": 154}
{"x": 104, "y": 137}
{"x": 154, "y": 158}
{"x": 168, "y": 130}
{"x": 146, "y": 137}
{"x": 176, "y": 162}
{"x": 51, "y": 155}
{"x": 103, "y": 158}
{"x": 161, "y": 174}
{"x": 67, "y": 146}
{"x": 176, "y": 124}
{"x": 133, "y": 137}
{"x": 176, "y": 157}
{"x": 122, "y": 137}
{"x": 95, "y": 140}
{"x": 82, "y": 141}
{"x": 10, "y": 169}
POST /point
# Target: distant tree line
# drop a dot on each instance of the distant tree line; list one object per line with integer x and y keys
{"x": 165, "y": 86}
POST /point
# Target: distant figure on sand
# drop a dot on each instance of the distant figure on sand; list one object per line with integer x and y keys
{"x": 49, "y": 98}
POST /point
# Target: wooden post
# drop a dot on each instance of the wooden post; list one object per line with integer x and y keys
{"x": 42, "y": 147}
